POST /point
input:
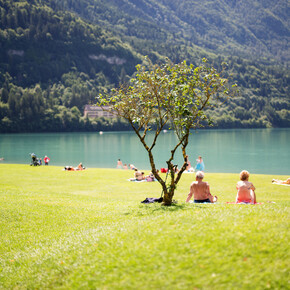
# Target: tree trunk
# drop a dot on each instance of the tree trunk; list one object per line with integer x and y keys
{"x": 167, "y": 197}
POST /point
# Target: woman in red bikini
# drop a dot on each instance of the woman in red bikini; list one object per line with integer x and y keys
{"x": 246, "y": 189}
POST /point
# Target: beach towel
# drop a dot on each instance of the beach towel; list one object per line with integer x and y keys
{"x": 230, "y": 202}
{"x": 280, "y": 184}
{"x": 143, "y": 180}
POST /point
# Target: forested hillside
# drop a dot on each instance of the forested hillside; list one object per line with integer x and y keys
{"x": 56, "y": 56}
{"x": 250, "y": 27}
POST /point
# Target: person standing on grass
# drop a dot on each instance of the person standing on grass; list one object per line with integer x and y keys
{"x": 200, "y": 190}
{"x": 246, "y": 189}
{"x": 188, "y": 165}
{"x": 46, "y": 160}
{"x": 119, "y": 164}
{"x": 200, "y": 164}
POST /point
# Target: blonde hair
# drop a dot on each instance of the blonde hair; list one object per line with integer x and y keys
{"x": 244, "y": 175}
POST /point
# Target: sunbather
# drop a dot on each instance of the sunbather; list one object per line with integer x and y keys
{"x": 132, "y": 167}
{"x": 138, "y": 175}
{"x": 246, "y": 189}
{"x": 200, "y": 190}
{"x": 80, "y": 167}
{"x": 150, "y": 177}
{"x": 70, "y": 168}
{"x": 278, "y": 181}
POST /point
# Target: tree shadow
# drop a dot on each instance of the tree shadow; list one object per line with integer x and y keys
{"x": 157, "y": 207}
{"x": 146, "y": 209}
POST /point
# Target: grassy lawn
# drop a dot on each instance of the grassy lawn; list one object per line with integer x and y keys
{"x": 88, "y": 230}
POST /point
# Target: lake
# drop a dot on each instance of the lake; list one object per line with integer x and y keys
{"x": 262, "y": 151}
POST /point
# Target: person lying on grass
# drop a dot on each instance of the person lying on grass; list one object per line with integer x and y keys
{"x": 70, "y": 168}
{"x": 278, "y": 181}
{"x": 200, "y": 190}
{"x": 246, "y": 189}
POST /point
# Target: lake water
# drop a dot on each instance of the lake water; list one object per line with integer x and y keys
{"x": 264, "y": 151}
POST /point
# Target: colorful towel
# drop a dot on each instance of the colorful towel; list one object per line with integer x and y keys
{"x": 143, "y": 180}
{"x": 229, "y": 202}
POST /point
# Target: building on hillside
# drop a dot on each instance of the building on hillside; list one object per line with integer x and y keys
{"x": 97, "y": 112}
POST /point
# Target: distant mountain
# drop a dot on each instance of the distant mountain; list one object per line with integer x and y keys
{"x": 249, "y": 28}
{"x": 39, "y": 44}
{"x": 56, "y": 56}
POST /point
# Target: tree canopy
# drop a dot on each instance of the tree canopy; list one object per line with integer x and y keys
{"x": 167, "y": 94}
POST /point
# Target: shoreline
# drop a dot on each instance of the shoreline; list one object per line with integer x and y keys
{"x": 128, "y": 170}
{"x": 262, "y": 151}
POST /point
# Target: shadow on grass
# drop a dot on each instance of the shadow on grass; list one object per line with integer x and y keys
{"x": 155, "y": 207}
{"x": 158, "y": 208}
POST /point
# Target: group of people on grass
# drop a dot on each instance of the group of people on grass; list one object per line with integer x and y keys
{"x": 199, "y": 166}
{"x": 38, "y": 161}
{"x": 140, "y": 176}
{"x": 120, "y": 165}
{"x": 200, "y": 190}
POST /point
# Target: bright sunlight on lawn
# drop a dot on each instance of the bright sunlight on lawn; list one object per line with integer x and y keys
{"x": 88, "y": 229}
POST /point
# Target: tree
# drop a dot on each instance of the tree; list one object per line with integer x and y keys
{"x": 167, "y": 94}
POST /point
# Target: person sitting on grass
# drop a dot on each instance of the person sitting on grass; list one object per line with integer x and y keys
{"x": 138, "y": 175}
{"x": 200, "y": 190}
{"x": 150, "y": 177}
{"x": 246, "y": 189}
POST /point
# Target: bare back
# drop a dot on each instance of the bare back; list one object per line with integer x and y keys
{"x": 200, "y": 190}
{"x": 244, "y": 191}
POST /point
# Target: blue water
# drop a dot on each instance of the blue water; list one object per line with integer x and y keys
{"x": 264, "y": 151}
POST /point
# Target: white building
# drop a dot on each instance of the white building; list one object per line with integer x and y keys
{"x": 97, "y": 112}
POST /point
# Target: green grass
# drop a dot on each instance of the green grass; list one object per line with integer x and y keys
{"x": 88, "y": 230}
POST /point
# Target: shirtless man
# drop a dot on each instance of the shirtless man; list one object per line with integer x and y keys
{"x": 246, "y": 189}
{"x": 200, "y": 190}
